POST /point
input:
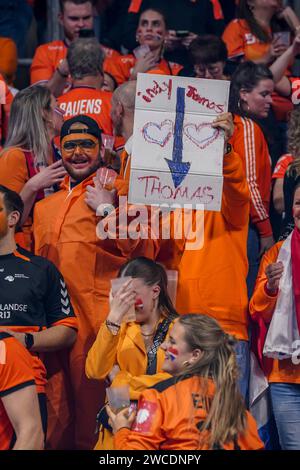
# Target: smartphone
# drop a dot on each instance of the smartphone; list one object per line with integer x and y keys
{"x": 86, "y": 33}
{"x": 182, "y": 33}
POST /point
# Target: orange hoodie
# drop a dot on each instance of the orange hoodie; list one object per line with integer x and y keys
{"x": 212, "y": 279}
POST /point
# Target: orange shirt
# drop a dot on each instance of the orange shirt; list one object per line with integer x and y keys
{"x": 48, "y": 56}
{"x": 241, "y": 42}
{"x": 249, "y": 142}
{"x": 14, "y": 174}
{"x": 120, "y": 68}
{"x": 6, "y": 98}
{"x": 263, "y": 305}
{"x": 169, "y": 418}
{"x": 8, "y": 58}
{"x": 15, "y": 373}
{"x": 282, "y": 165}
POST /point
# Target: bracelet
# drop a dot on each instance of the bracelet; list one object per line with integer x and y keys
{"x": 63, "y": 75}
{"x": 109, "y": 323}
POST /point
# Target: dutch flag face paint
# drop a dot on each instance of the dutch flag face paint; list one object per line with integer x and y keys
{"x": 172, "y": 354}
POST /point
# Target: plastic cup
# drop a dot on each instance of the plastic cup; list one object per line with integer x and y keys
{"x": 118, "y": 398}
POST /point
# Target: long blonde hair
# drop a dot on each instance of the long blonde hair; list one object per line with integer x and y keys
{"x": 226, "y": 412}
{"x": 27, "y": 128}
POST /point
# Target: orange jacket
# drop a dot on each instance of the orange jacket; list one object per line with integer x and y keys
{"x": 249, "y": 142}
{"x": 223, "y": 257}
{"x": 48, "y": 56}
{"x": 263, "y": 305}
{"x": 127, "y": 350}
{"x": 15, "y": 373}
{"x": 169, "y": 417}
{"x": 120, "y": 68}
{"x": 65, "y": 233}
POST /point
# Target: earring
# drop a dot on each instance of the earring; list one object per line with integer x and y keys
{"x": 186, "y": 363}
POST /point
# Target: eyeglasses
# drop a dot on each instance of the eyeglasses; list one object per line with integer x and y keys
{"x": 85, "y": 144}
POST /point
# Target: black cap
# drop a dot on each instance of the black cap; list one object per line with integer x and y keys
{"x": 92, "y": 127}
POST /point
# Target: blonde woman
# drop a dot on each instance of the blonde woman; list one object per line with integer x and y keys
{"x": 27, "y": 163}
{"x": 200, "y": 407}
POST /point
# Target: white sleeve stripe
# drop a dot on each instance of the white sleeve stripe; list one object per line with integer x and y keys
{"x": 249, "y": 143}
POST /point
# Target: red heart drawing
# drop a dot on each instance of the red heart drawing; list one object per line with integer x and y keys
{"x": 159, "y": 134}
{"x": 200, "y": 134}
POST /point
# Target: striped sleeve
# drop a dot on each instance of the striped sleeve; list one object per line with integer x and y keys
{"x": 258, "y": 173}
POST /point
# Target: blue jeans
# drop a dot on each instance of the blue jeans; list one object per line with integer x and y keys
{"x": 286, "y": 408}
{"x": 242, "y": 350}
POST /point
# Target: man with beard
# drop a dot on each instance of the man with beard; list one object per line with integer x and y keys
{"x": 34, "y": 302}
{"x": 65, "y": 233}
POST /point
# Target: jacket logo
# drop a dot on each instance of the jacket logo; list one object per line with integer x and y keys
{"x": 9, "y": 278}
{"x": 64, "y": 298}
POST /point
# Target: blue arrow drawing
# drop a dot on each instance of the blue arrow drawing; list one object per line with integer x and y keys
{"x": 178, "y": 168}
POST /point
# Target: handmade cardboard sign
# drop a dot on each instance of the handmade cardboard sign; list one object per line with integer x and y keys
{"x": 177, "y": 156}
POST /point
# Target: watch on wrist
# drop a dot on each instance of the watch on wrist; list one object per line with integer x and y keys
{"x": 29, "y": 341}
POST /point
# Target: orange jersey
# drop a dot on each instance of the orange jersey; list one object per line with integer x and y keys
{"x": 169, "y": 417}
{"x": 91, "y": 102}
{"x": 48, "y": 56}
{"x": 249, "y": 142}
{"x": 15, "y": 373}
{"x": 8, "y": 58}
{"x": 121, "y": 68}
{"x": 282, "y": 165}
{"x": 241, "y": 42}
{"x": 263, "y": 305}
{"x": 135, "y": 6}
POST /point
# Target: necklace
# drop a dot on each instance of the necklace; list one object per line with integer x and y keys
{"x": 150, "y": 334}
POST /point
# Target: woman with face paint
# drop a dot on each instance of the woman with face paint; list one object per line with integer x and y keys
{"x": 200, "y": 406}
{"x": 275, "y": 305}
{"x": 27, "y": 163}
{"x": 148, "y": 57}
{"x": 127, "y": 352}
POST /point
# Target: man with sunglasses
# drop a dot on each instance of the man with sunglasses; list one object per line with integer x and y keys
{"x": 65, "y": 233}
